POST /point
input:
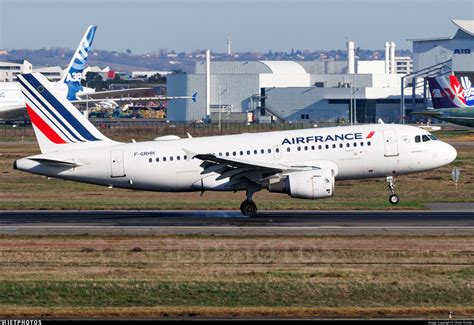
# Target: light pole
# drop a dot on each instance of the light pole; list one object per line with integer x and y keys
{"x": 353, "y": 101}
{"x": 220, "y": 108}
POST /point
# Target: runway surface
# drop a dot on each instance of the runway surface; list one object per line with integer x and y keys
{"x": 233, "y": 223}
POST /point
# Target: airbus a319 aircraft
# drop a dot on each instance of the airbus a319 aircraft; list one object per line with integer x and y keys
{"x": 302, "y": 163}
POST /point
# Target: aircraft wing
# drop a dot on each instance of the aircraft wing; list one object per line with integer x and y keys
{"x": 112, "y": 94}
{"x": 129, "y": 99}
{"x": 239, "y": 169}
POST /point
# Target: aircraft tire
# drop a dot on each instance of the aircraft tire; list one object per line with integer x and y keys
{"x": 248, "y": 208}
{"x": 394, "y": 199}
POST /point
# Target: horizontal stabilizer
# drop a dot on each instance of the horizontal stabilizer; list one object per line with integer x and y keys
{"x": 56, "y": 163}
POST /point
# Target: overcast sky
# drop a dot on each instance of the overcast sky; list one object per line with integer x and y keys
{"x": 254, "y": 25}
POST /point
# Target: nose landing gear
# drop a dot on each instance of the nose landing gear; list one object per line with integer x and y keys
{"x": 393, "y": 198}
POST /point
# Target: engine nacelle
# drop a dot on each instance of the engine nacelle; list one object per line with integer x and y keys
{"x": 310, "y": 184}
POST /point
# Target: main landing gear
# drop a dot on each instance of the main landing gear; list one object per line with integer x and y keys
{"x": 248, "y": 207}
{"x": 393, "y": 198}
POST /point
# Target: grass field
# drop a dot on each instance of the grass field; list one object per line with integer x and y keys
{"x": 200, "y": 276}
{"x": 19, "y": 190}
{"x": 375, "y": 276}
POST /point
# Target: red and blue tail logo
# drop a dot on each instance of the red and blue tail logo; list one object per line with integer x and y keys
{"x": 446, "y": 93}
{"x": 55, "y": 117}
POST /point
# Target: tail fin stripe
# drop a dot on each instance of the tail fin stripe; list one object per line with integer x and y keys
{"x": 44, "y": 127}
{"x": 36, "y": 104}
{"x": 41, "y": 104}
{"x": 61, "y": 110}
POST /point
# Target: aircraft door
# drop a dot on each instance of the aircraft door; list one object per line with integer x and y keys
{"x": 116, "y": 163}
{"x": 390, "y": 143}
{"x": 277, "y": 152}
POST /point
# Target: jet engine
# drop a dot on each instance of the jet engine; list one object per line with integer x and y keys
{"x": 310, "y": 184}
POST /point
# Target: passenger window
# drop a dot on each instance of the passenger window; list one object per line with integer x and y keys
{"x": 255, "y": 152}
{"x": 417, "y": 139}
{"x": 334, "y": 146}
{"x": 312, "y": 148}
{"x": 288, "y": 149}
{"x": 425, "y": 138}
{"x": 299, "y": 148}
{"x": 306, "y": 148}
{"x": 157, "y": 159}
{"x": 184, "y": 157}
{"x": 368, "y": 143}
{"x": 234, "y": 153}
{"x": 262, "y": 151}
{"x": 348, "y": 145}
{"x": 277, "y": 150}
{"x": 171, "y": 158}
{"x": 164, "y": 158}
{"x": 320, "y": 147}
{"x": 178, "y": 157}
{"x": 341, "y": 145}
{"x": 361, "y": 144}
{"x": 355, "y": 144}
{"x": 248, "y": 152}
{"x": 241, "y": 153}
{"x": 327, "y": 146}
{"x": 269, "y": 150}
{"x": 150, "y": 160}
{"x": 227, "y": 154}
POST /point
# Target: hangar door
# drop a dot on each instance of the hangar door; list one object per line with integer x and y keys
{"x": 116, "y": 163}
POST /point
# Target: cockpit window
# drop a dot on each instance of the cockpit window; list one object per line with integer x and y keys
{"x": 425, "y": 138}
{"x": 432, "y": 137}
{"x": 417, "y": 139}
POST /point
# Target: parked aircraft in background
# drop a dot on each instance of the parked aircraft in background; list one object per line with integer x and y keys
{"x": 453, "y": 101}
{"x": 304, "y": 164}
{"x": 12, "y": 104}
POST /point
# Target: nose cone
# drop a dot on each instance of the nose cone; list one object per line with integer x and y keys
{"x": 448, "y": 153}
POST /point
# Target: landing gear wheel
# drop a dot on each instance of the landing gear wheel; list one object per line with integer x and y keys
{"x": 394, "y": 199}
{"x": 248, "y": 208}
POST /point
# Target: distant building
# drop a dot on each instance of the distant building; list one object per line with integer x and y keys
{"x": 288, "y": 90}
{"x": 10, "y": 69}
{"x": 404, "y": 64}
{"x": 52, "y": 73}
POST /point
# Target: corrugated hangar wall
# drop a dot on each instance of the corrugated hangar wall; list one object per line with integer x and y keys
{"x": 290, "y": 103}
{"x": 182, "y": 84}
{"x": 235, "y": 89}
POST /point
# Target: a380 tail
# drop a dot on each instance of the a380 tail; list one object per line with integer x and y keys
{"x": 73, "y": 75}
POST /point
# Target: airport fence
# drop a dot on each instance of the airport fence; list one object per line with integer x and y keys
{"x": 145, "y": 129}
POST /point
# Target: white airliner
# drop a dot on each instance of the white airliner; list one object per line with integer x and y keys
{"x": 302, "y": 163}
